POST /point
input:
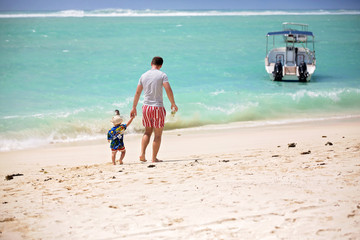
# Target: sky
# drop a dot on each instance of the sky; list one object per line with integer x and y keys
{"x": 40, "y": 5}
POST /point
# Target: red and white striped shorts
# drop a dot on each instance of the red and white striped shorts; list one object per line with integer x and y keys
{"x": 153, "y": 116}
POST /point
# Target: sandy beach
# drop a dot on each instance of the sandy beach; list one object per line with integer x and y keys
{"x": 233, "y": 181}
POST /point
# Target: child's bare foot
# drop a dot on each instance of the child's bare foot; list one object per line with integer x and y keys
{"x": 142, "y": 159}
{"x": 156, "y": 160}
{"x": 121, "y": 162}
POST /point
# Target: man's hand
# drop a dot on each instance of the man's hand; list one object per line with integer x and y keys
{"x": 133, "y": 113}
{"x": 174, "y": 107}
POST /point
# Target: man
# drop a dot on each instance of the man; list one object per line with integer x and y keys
{"x": 152, "y": 82}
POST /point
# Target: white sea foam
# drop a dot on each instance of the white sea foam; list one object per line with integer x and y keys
{"x": 217, "y": 92}
{"x": 49, "y": 115}
{"x": 170, "y": 13}
{"x": 123, "y": 104}
{"x": 60, "y": 132}
{"x": 230, "y": 109}
{"x": 333, "y": 95}
{"x": 252, "y": 124}
{"x": 34, "y": 142}
{"x": 10, "y": 117}
{"x": 13, "y": 144}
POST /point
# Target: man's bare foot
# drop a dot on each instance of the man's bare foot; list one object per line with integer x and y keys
{"x": 121, "y": 163}
{"x": 142, "y": 159}
{"x": 157, "y": 160}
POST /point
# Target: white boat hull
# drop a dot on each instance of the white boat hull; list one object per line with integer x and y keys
{"x": 291, "y": 62}
{"x": 290, "y": 75}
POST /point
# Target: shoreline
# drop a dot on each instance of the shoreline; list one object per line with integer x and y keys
{"x": 218, "y": 127}
{"x": 225, "y": 183}
{"x": 65, "y": 153}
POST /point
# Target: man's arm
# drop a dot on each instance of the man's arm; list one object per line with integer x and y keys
{"x": 170, "y": 95}
{"x": 139, "y": 89}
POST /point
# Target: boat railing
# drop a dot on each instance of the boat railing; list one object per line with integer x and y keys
{"x": 311, "y": 54}
{"x": 287, "y": 26}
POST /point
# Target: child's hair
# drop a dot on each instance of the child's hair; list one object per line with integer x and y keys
{"x": 117, "y": 112}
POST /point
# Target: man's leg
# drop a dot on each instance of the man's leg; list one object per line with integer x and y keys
{"x": 145, "y": 142}
{"x": 157, "y": 142}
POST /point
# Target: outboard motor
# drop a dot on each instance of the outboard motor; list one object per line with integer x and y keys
{"x": 303, "y": 73}
{"x": 277, "y": 73}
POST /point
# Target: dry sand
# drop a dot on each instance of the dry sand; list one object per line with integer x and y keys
{"x": 228, "y": 182}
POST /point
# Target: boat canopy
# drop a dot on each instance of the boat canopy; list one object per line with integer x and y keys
{"x": 289, "y": 32}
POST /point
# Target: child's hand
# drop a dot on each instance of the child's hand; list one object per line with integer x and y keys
{"x": 131, "y": 119}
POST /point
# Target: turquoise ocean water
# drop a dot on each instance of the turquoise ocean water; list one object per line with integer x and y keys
{"x": 63, "y": 73}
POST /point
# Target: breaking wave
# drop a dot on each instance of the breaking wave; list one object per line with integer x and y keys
{"x": 169, "y": 13}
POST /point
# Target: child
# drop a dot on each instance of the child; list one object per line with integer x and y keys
{"x": 116, "y": 137}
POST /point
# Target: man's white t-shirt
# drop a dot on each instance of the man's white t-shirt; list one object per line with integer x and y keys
{"x": 152, "y": 82}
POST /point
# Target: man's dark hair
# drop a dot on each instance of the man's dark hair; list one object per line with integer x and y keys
{"x": 157, "y": 61}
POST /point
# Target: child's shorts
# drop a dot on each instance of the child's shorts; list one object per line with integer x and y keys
{"x": 120, "y": 149}
{"x": 153, "y": 116}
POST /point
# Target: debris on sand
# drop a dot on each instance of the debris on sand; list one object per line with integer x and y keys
{"x": 10, "y": 177}
{"x": 304, "y": 153}
{"x": 291, "y": 145}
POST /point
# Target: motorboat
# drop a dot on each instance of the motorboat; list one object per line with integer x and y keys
{"x": 292, "y": 55}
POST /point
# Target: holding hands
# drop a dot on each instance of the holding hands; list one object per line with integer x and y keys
{"x": 133, "y": 113}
